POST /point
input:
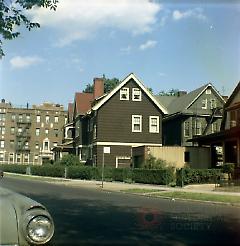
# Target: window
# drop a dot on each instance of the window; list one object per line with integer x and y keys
{"x": 136, "y": 94}
{"x": 208, "y": 92}
{"x": 94, "y": 131}
{"x": 47, "y": 119}
{"x": 136, "y": 123}
{"x": 2, "y": 130}
{"x": 19, "y": 158}
{"x": 186, "y": 129}
{"x": 213, "y": 103}
{"x": 2, "y": 144}
{"x": 11, "y": 157}
{"x": 154, "y": 124}
{"x": 198, "y": 127}
{"x": 56, "y": 132}
{"x": 56, "y": 119}
{"x": 28, "y": 118}
{"x": 37, "y": 131}
{"x": 36, "y": 158}
{"x": 1, "y": 157}
{"x": 46, "y": 131}
{"x": 26, "y": 158}
{"x": 20, "y": 118}
{"x": 20, "y": 130}
{"x": 2, "y": 117}
{"x": 13, "y": 117}
{"x": 38, "y": 118}
{"x": 214, "y": 127}
{"x": 12, "y": 130}
{"x": 204, "y": 104}
{"x": 46, "y": 145}
{"x": 124, "y": 94}
{"x": 37, "y": 145}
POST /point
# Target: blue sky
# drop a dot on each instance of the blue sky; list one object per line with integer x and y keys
{"x": 167, "y": 44}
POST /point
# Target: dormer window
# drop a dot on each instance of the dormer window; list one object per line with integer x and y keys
{"x": 208, "y": 92}
{"x": 124, "y": 94}
{"x": 136, "y": 94}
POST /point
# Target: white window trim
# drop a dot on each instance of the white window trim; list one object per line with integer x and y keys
{"x": 140, "y": 116}
{"x": 38, "y": 118}
{"x": 200, "y": 128}
{"x": 134, "y": 90}
{"x": 150, "y": 125}
{"x": 186, "y": 122}
{"x": 46, "y": 140}
{"x": 208, "y": 91}
{"x": 205, "y": 107}
{"x": 122, "y": 91}
{"x": 13, "y": 155}
{"x": 121, "y": 158}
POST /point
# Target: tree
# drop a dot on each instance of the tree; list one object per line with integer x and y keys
{"x": 12, "y": 14}
{"x": 172, "y": 92}
{"x": 109, "y": 84}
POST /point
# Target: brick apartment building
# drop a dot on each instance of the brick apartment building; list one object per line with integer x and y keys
{"x": 28, "y": 134}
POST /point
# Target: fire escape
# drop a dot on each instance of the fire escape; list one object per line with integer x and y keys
{"x": 23, "y": 136}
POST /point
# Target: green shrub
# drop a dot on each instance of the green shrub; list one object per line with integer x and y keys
{"x": 154, "y": 163}
{"x": 69, "y": 160}
{"x": 81, "y": 172}
{"x": 48, "y": 170}
{"x": 14, "y": 168}
{"x": 229, "y": 169}
{"x": 154, "y": 176}
{"x": 185, "y": 176}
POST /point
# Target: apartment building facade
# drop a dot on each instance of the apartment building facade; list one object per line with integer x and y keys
{"x": 28, "y": 134}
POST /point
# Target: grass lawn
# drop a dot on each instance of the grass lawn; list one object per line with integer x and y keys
{"x": 187, "y": 195}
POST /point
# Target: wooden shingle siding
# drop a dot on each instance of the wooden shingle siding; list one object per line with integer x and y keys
{"x": 114, "y": 119}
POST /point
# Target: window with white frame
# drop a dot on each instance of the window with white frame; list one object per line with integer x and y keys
{"x": 36, "y": 158}
{"x": 136, "y": 94}
{"x": 12, "y": 130}
{"x": 2, "y": 117}
{"x": 13, "y": 117}
{"x": 2, "y": 144}
{"x": 186, "y": 129}
{"x": 1, "y": 156}
{"x": 47, "y": 118}
{"x": 124, "y": 94}
{"x": 136, "y": 123}
{"x": 154, "y": 124}
{"x": 56, "y": 119}
{"x": 46, "y": 131}
{"x": 19, "y": 158}
{"x": 28, "y": 118}
{"x": 26, "y": 158}
{"x": 198, "y": 127}
{"x": 38, "y": 118}
{"x": 37, "y": 145}
{"x": 20, "y": 118}
{"x": 37, "y": 131}
{"x": 46, "y": 145}
{"x": 208, "y": 92}
{"x": 2, "y": 130}
{"x": 213, "y": 103}
{"x": 11, "y": 158}
{"x": 204, "y": 104}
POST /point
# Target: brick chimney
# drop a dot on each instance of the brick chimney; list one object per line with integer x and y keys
{"x": 98, "y": 90}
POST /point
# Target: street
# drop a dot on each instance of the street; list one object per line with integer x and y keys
{"x": 91, "y": 216}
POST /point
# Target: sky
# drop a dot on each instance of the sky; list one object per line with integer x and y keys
{"x": 166, "y": 44}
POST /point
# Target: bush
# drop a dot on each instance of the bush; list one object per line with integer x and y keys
{"x": 69, "y": 160}
{"x": 229, "y": 169}
{"x": 185, "y": 176}
{"x": 81, "y": 172}
{"x": 48, "y": 170}
{"x": 154, "y": 176}
{"x": 14, "y": 168}
{"x": 154, "y": 163}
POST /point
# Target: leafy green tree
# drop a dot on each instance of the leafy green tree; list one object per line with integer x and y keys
{"x": 172, "y": 92}
{"x": 12, "y": 14}
{"x": 88, "y": 89}
{"x": 69, "y": 160}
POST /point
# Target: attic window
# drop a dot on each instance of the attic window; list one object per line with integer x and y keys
{"x": 124, "y": 94}
{"x": 136, "y": 94}
{"x": 208, "y": 92}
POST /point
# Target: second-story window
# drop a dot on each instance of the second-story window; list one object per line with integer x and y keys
{"x": 136, "y": 94}
{"x": 47, "y": 118}
{"x": 154, "y": 124}
{"x": 28, "y": 118}
{"x": 136, "y": 123}
{"x": 2, "y": 144}
{"x": 198, "y": 127}
{"x": 213, "y": 103}
{"x": 38, "y": 118}
{"x": 20, "y": 118}
{"x": 2, "y": 117}
{"x": 124, "y": 94}
{"x": 37, "y": 131}
{"x": 46, "y": 131}
{"x": 94, "y": 131}
{"x": 13, "y": 117}
{"x": 186, "y": 129}
{"x": 56, "y": 119}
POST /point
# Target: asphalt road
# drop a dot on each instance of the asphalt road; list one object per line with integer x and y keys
{"x": 90, "y": 216}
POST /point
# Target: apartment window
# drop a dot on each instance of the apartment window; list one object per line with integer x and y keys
{"x": 136, "y": 94}
{"x": 208, "y": 92}
{"x": 186, "y": 129}
{"x": 47, "y": 119}
{"x": 11, "y": 144}
{"x": 26, "y": 158}
{"x": 56, "y": 132}
{"x": 26, "y": 145}
{"x": 19, "y": 144}
{"x": 2, "y": 117}
{"x": 204, "y": 104}
{"x": 154, "y": 124}
{"x": 124, "y": 94}
{"x": 38, "y": 118}
{"x": 37, "y": 145}
{"x": 11, "y": 158}
{"x": 36, "y": 158}
{"x": 46, "y": 131}
{"x": 2, "y": 130}
{"x": 37, "y": 131}
{"x": 2, "y": 144}
{"x": 19, "y": 158}
{"x": 13, "y": 117}
{"x": 20, "y": 118}
{"x": 56, "y": 119}
{"x": 28, "y": 118}
{"x": 213, "y": 103}
{"x": 46, "y": 145}
{"x": 136, "y": 123}
{"x": 20, "y": 130}
{"x": 12, "y": 130}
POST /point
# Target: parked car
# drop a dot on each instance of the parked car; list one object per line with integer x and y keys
{"x": 23, "y": 221}
{"x": 1, "y": 173}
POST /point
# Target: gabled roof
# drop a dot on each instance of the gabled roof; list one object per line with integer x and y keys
{"x": 125, "y": 81}
{"x": 82, "y": 102}
{"x": 234, "y": 93}
{"x": 182, "y": 103}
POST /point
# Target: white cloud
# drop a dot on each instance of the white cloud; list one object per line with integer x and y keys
{"x": 191, "y": 13}
{"x": 25, "y": 61}
{"x": 147, "y": 45}
{"x": 80, "y": 19}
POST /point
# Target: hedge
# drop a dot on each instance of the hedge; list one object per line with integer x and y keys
{"x": 185, "y": 176}
{"x": 13, "y": 168}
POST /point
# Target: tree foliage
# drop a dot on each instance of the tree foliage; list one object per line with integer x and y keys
{"x": 172, "y": 92}
{"x": 12, "y": 14}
